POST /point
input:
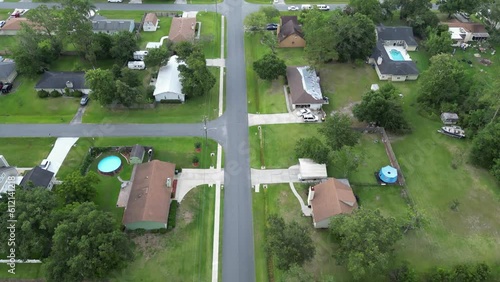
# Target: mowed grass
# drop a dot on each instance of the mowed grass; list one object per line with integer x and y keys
{"x": 192, "y": 111}
{"x": 184, "y": 254}
{"x": 9, "y": 42}
{"x": 279, "y": 199}
{"x": 23, "y": 271}
{"x": 5, "y": 13}
{"x": 155, "y": 36}
{"x": 25, "y": 152}
{"x": 210, "y": 34}
{"x": 264, "y": 96}
{"x": 23, "y": 105}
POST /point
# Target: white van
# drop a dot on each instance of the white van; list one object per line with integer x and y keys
{"x": 309, "y": 118}
{"x": 139, "y": 55}
{"x": 323, "y": 7}
{"x": 136, "y": 65}
{"x": 306, "y": 7}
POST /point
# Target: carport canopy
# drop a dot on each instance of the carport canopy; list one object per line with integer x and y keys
{"x": 311, "y": 170}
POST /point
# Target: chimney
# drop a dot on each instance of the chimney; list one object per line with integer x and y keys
{"x": 69, "y": 84}
{"x": 169, "y": 182}
{"x": 379, "y": 60}
{"x": 310, "y": 197}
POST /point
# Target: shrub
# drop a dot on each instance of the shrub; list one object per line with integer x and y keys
{"x": 55, "y": 94}
{"x": 77, "y": 94}
{"x": 172, "y": 215}
{"x": 67, "y": 92}
{"x": 196, "y": 159}
{"x": 43, "y": 94}
{"x": 197, "y": 145}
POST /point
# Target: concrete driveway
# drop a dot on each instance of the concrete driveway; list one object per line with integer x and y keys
{"x": 260, "y": 119}
{"x": 270, "y": 176}
{"x": 59, "y": 151}
{"x": 191, "y": 178}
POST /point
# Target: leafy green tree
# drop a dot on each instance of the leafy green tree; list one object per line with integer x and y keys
{"x": 290, "y": 243}
{"x": 87, "y": 245}
{"x": 495, "y": 169}
{"x": 104, "y": 41}
{"x": 320, "y": 38}
{"x": 270, "y": 12}
{"x": 338, "y": 132}
{"x": 127, "y": 95}
{"x": 269, "y": 67}
{"x": 297, "y": 274}
{"x": 452, "y": 6}
{"x": 124, "y": 45}
{"x": 35, "y": 223}
{"x": 370, "y": 8}
{"x": 157, "y": 57}
{"x": 421, "y": 22}
{"x": 102, "y": 84}
{"x": 382, "y": 107}
{"x": 402, "y": 274}
{"x": 438, "y": 43}
{"x": 486, "y": 146}
{"x": 312, "y": 148}
{"x": 255, "y": 22}
{"x": 130, "y": 77}
{"x": 78, "y": 188}
{"x": 346, "y": 160}
{"x": 365, "y": 239}
{"x": 184, "y": 49}
{"x": 47, "y": 20}
{"x": 412, "y": 8}
{"x": 354, "y": 37}
{"x": 443, "y": 82}
{"x": 196, "y": 79}
{"x": 34, "y": 52}
{"x": 491, "y": 10}
{"x": 270, "y": 40}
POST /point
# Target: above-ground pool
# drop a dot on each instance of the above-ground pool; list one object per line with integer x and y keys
{"x": 396, "y": 55}
{"x": 110, "y": 165}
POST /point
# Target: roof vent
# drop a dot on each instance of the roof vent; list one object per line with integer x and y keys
{"x": 69, "y": 84}
{"x": 169, "y": 182}
{"x": 379, "y": 60}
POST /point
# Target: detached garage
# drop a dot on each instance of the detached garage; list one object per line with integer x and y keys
{"x": 309, "y": 170}
{"x": 168, "y": 84}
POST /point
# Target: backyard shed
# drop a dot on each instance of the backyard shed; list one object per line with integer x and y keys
{"x": 388, "y": 174}
{"x": 137, "y": 154}
{"x": 310, "y": 170}
{"x": 150, "y": 22}
{"x": 330, "y": 198}
{"x": 449, "y": 118}
{"x": 168, "y": 84}
{"x": 149, "y": 201}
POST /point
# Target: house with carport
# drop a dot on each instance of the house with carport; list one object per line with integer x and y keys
{"x": 60, "y": 80}
{"x": 330, "y": 198}
{"x": 168, "y": 85}
{"x": 304, "y": 88}
{"x": 309, "y": 170}
{"x": 150, "y": 195}
{"x": 290, "y": 33}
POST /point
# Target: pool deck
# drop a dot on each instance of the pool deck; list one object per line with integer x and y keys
{"x": 401, "y": 49}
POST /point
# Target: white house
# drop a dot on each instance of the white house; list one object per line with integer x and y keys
{"x": 464, "y": 32}
{"x": 330, "y": 198}
{"x": 168, "y": 84}
{"x": 150, "y": 22}
{"x": 305, "y": 91}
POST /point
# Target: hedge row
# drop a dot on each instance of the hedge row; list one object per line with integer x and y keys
{"x": 54, "y": 94}
{"x": 172, "y": 215}
{"x": 90, "y": 157}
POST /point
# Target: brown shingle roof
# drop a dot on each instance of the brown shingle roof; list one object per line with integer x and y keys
{"x": 151, "y": 17}
{"x": 149, "y": 196}
{"x": 289, "y": 26}
{"x": 298, "y": 94}
{"x": 182, "y": 29}
{"x": 332, "y": 197}
{"x": 14, "y": 23}
{"x": 471, "y": 27}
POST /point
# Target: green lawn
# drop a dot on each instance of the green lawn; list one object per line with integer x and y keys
{"x": 5, "y": 13}
{"x": 184, "y": 254}
{"x": 8, "y": 42}
{"x": 155, "y": 36}
{"x": 278, "y": 199}
{"x": 192, "y": 111}
{"x": 264, "y": 97}
{"x": 210, "y": 36}
{"x": 120, "y": 14}
{"x": 23, "y": 271}
{"x": 25, "y": 152}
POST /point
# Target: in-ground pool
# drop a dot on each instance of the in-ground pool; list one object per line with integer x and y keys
{"x": 396, "y": 55}
{"x": 110, "y": 165}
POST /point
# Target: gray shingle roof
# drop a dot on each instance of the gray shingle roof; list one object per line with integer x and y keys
{"x": 109, "y": 25}
{"x": 40, "y": 178}
{"x": 389, "y": 66}
{"x": 6, "y": 69}
{"x": 58, "y": 79}
{"x": 396, "y": 33}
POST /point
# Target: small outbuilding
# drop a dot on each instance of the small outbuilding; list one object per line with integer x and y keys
{"x": 150, "y": 22}
{"x": 136, "y": 65}
{"x": 137, "y": 154}
{"x": 449, "y": 118}
{"x": 310, "y": 170}
{"x": 388, "y": 174}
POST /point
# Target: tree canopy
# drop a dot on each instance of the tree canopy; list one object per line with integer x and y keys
{"x": 346, "y": 160}
{"x": 290, "y": 243}
{"x": 319, "y": 37}
{"x": 338, "y": 132}
{"x": 255, "y": 22}
{"x": 124, "y": 45}
{"x": 102, "y": 84}
{"x": 383, "y": 107}
{"x": 87, "y": 245}
{"x": 195, "y": 77}
{"x": 452, "y": 6}
{"x": 365, "y": 239}
{"x": 438, "y": 43}
{"x": 312, "y": 148}
{"x": 370, "y": 8}
{"x": 269, "y": 67}
{"x": 78, "y": 188}
{"x": 157, "y": 57}
{"x": 485, "y": 149}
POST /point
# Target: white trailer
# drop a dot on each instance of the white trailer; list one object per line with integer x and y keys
{"x": 136, "y": 65}
{"x": 140, "y": 55}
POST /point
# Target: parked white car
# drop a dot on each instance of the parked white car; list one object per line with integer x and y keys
{"x": 310, "y": 118}
{"x": 293, "y": 8}
{"x": 323, "y": 7}
{"x": 115, "y": 1}
{"x": 304, "y": 111}
{"x": 45, "y": 164}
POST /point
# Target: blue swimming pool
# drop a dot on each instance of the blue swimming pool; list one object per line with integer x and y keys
{"x": 109, "y": 165}
{"x": 396, "y": 55}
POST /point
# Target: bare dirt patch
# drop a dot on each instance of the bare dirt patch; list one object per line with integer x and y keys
{"x": 276, "y": 87}
{"x": 347, "y": 109}
{"x": 148, "y": 244}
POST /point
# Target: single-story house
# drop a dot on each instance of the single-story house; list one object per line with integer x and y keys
{"x": 38, "y": 177}
{"x": 150, "y": 22}
{"x": 310, "y": 170}
{"x": 305, "y": 90}
{"x": 137, "y": 154}
{"x": 60, "y": 80}
{"x": 290, "y": 33}
{"x": 330, "y": 198}
{"x": 168, "y": 84}
{"x": 8, "y": 175}
{"x": 390, "y": 56}
{"x": 7, "y": 71}
{"x": 182, "y": 29}
{"x": 12, "y": 26}
{"x": 111, "y": 26}
{"x": 464, "y": 32}
{"x": 449, "y": 118}
{"x": 149, "y": 201}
